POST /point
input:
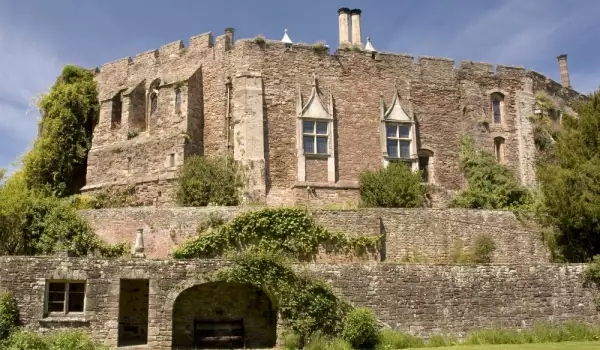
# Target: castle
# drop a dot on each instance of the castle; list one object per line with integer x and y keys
{"x": 304, "y": 121}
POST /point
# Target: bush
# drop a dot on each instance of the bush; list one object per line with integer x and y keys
{"x": 208, "y": 180}
{"x": 72, "y": 340}
{"x": 483, "y": 249}
{"x": 360, "y": 328}
{"x": 9, "y": 314}
{"x": 491, "y": 185}
{"x": 389, "y": 339}
{"x": 395, "y": 186}
{"x": 26, "y": 340}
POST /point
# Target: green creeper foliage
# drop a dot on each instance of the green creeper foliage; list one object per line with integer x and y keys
{"x": 69, "y": 112}
{"x": 306, "y": 304}
{"x": 571, "y": 183}
{"x": 290, "y": 231}
{"x": 9, "y": 315}
{"x": 491, "y": 185}
{"x": 360, "y": 328}
{"x": 209, "y": 180}
{"x": 395, "y": 186}
{"x": 32, "y": 223}
{"x": 60, "y": 340}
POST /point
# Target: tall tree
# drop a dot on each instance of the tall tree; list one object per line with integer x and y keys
{"x": 57, "y": 162}
{"x": 570, "y": 184}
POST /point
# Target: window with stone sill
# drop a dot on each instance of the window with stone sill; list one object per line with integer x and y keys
{"x": 398, "y": 140}
{"x": 315, "y": 135}
{"x": 65, "y": 297}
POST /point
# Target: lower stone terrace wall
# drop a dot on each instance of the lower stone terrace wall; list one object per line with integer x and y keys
{"x": 422, "y": 299}
{"x": 429, "y": 234}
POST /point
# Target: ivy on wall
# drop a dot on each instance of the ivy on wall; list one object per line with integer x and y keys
{"x": 292, "y": 232}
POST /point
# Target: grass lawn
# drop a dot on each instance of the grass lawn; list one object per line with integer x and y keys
{"x": 588, "y": 345}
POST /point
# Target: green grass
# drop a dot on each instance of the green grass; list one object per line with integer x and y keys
{"x": 538, "y": 346}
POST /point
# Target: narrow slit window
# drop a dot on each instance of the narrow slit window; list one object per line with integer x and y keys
{"x": 117, "y": 112}
{"x": 172, "y": 160}
{"x": 499, "y": 149}
{"x": 153, "y": 104}
{"x": 315, "y": 137}
{"x": 177, "y": 100}
{"x": 497, "y": 108}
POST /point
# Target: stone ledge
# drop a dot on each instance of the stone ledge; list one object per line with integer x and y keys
{"x": 344, "y": 184}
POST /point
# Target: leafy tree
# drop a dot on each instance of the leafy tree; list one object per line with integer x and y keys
{"x": 395, "y": 186}
{"x": 571, "y": 183}
{"x": 32, "y": 223}
{"x": 209, "y": 180}
{"x": 57, "y": 162}
{"x": 2, "y": 173}
{"x": 491, "y": 185}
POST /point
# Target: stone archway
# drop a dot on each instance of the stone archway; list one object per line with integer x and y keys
{"x": 221, "y": 315}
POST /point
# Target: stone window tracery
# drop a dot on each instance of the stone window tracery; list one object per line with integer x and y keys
{"x": 398, "y": 134}
{"x": 315, "y": 133}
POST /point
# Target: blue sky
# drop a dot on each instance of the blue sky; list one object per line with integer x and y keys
{"x": 38, "y": 37}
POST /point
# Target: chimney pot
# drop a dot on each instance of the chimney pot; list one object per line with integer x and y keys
{"x": 344, "y": 25}
{"x": 356, "y": 30}
{"x": 565, "y": 81}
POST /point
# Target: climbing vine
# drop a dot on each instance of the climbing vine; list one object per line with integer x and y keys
{"x": 292, "y": 232}
{"x": 306, "y": 304}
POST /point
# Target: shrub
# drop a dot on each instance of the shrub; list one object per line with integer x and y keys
{"x": 395, "y": 186}
{"x": 9, "y": 314}
{"x": 491, "y": 185}
{"x": 483, "y": 249}
{"x": 259, "y": 39}
{"x": 320, "y": 46}
{"x": 132, "y": 134}
{"x": 72, "y": 340}
{"x": 208, "y": 180}
{"x": 389, "y": 339}
{"x": 26, "y": 340}
{"x": 438, "y": 341}
{"x": 360, "y": 328}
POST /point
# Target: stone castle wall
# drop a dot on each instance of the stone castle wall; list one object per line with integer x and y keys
{"x": 425, "y": 235}
{"x": 255, "y": 118}
{"x": 422, "y": 299}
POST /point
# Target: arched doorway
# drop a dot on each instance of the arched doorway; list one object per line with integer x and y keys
{"x": 221, "y": 315}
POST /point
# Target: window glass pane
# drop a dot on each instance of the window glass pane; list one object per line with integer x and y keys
{"x": 56, "y": 297}
{"x": 404, "y": 149}
{"x": 56, "y": 287}
{"x": 309, "y": 144}
{"x": 392, "y": 148}
{"x": 390, "y": 130}
{"x": 404, "y": 131}
{"x": 76, "y": 302}
{"x": 322, "y": 145}
{"x": 322, "y": 128}
{"x": 76, "y": 287}
{"x": 308, "y": 127}
{"x": 496, "y": 109}
{"x": 56, "y": 307}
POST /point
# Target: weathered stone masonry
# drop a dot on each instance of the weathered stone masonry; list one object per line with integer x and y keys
{"x": 242, "y": 97}
{"x": 422, "y": 299}
{"x": 429, "y": 234}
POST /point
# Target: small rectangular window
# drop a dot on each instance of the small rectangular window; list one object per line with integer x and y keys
{"x": 499, "y": 149}
{"x": 398, "y": 140}
{"x": 172, "y": 160}
{"x": 65, "y": 297}
{"x": 315, "y": 137}
{"x": 177, "y": 99}
{"x": 117, "y": 111}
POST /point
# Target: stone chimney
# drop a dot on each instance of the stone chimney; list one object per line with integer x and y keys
{"x": 356, "y": 34}
{"x": 564, "y": 71}
{"x": 344, "y": 25}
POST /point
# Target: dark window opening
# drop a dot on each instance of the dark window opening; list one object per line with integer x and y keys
{"x": 117, "y": 111}
{"x": 66, "y": 297}
{"x": 424, "y": 168}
